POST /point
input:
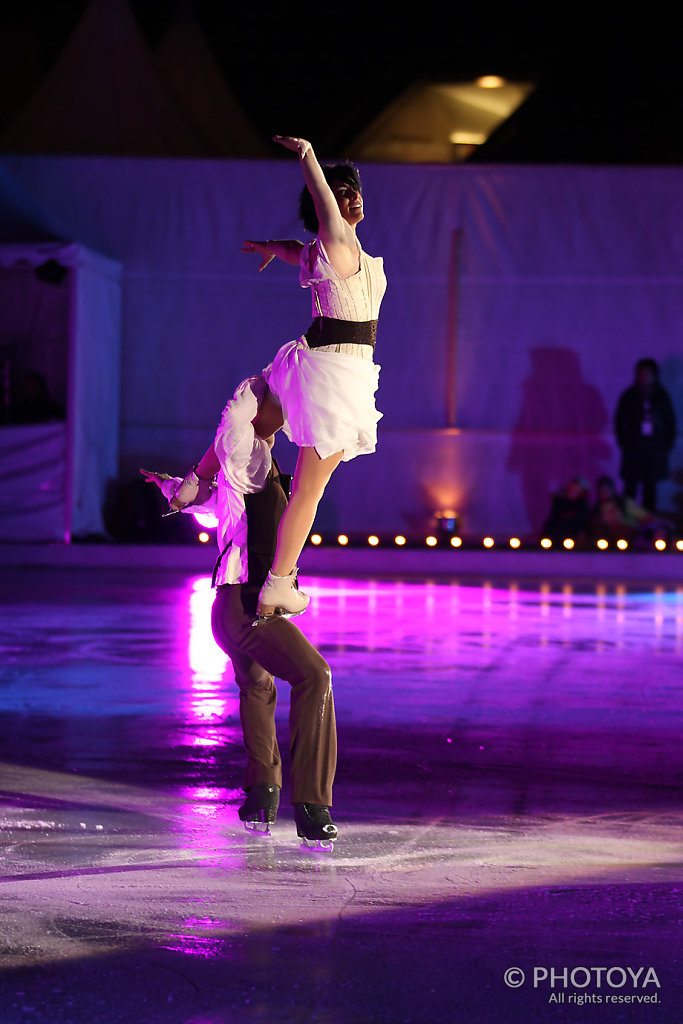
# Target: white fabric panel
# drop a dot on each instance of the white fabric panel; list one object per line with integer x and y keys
{"x": 576, "y": 260}
{"x": 33, "y": 482}
{"x": 573, "y": 221}
{"x": 95, "y": 371}
{"x": 569, "y": 276}
{"x": 561, "y": 279}
{"x": 71, "y": 334}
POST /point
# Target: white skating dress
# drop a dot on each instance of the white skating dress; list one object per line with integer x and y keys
{"x": 327, "y": 393}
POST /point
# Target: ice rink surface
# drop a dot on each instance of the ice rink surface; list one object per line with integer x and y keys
{"x": 508, "y": 798}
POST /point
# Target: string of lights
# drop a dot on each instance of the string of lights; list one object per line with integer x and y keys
{"x": 443, "y": 539}
{"x": 544, "y": 543}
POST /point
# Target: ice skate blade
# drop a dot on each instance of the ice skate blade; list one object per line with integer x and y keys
{"x": 258, "y": 828}
{"x": 317, "y": 845}
{"x": 279, "y": 613}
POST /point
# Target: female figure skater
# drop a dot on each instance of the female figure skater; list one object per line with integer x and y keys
{"x": 320, "y": 387}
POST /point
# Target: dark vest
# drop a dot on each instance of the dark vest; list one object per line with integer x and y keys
{"x": 264, "y": 512}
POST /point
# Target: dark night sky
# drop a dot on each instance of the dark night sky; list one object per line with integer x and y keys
{"x": 324, "y": 72}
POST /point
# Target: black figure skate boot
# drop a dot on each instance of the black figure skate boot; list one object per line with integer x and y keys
{"x": 259, "y": 810}
{"x": 315, "y": 826}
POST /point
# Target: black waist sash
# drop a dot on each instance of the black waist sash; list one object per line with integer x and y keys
{"x": 326, "y": 330}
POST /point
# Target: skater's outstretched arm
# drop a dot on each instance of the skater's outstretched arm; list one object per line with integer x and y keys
{"x": 329, "y": 217}
{"x": 286, "y": 249}
{"x": 336, "y": 234}
{"x": 188, "y": 490}
{"x": 169, "y": 486}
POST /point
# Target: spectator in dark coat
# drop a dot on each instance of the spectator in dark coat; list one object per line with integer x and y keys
{"x": 645, "y": 426}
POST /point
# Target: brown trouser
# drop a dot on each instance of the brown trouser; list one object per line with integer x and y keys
{"x": 278, "y": 648}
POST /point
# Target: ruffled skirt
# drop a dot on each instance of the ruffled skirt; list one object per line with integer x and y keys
{"x": 327, "y": 399}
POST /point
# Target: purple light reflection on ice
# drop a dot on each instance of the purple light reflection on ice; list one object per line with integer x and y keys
{"x": 442, "y": 620}
{"x": 204, "y": 709}
{"x": 207, "y": 819}
{"x": 209, "y": 738}
{"x": 209, "y": 947}
{"x": 206, "y": 801}
{"x": 212, "y": 720}
{"x": 207, "y": 700}
{"x": 195, "y": 945}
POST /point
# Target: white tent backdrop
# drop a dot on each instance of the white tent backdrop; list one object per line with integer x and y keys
{"x": 187, "y": 67}
{"x": 519, "y": 300}
{"x": 103, "y": 95}
{"x": 53, "y": 476}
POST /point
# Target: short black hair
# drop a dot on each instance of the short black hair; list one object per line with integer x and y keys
{"x": 345, "y": 173}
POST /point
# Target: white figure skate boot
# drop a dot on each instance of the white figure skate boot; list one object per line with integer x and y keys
{"x": 280, "y": 595}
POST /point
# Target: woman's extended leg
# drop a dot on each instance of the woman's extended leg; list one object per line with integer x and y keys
{"x": 279, "y": 594}
{"x": 310, "y": 480}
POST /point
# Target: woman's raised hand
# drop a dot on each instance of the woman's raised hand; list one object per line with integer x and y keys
{"x": 300, "y": 146}
{"x": 249, "y": 245}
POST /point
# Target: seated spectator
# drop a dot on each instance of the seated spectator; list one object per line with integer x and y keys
{"x": 569, "y": 512}
{"x": 615, "y": 517}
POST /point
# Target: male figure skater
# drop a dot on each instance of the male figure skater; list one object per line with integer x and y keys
{"x": 248, "y": 498}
